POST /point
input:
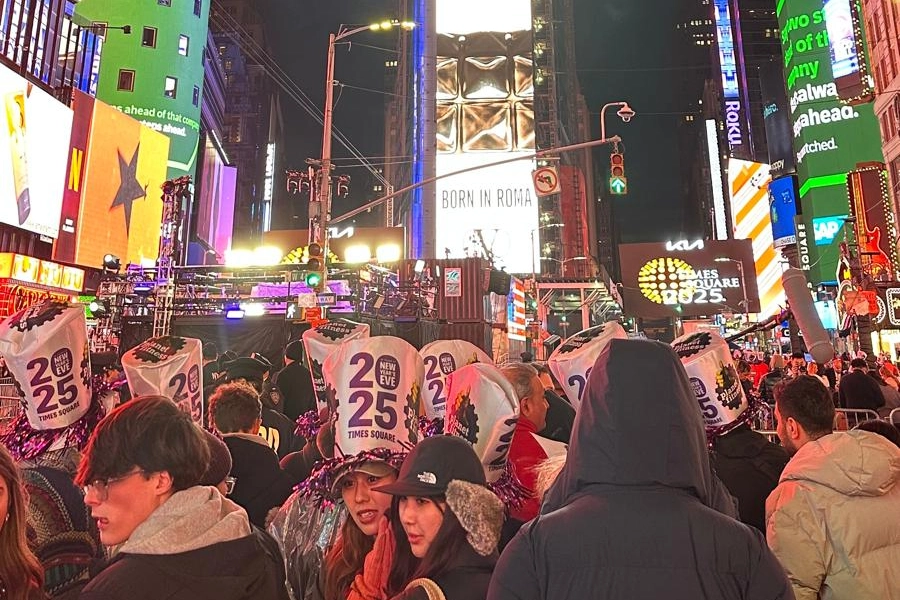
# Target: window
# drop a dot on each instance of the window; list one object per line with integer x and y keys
{"x": 149, "y": 38}
{"x": 164, "y": 2}
{"x": 183, "y": 43}
{"x": 126, "y": 80}
{"x": 198, "y": 7}
{"x": 196, "y": 96}
{"x": 171, "y": 87}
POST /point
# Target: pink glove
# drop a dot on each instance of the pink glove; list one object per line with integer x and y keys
{"x": 371, "y": 583}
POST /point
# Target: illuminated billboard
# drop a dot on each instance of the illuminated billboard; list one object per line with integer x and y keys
{"x": 829, "y": 137}
{"x": 735, "y": 120}
{"x": 34, "y": 148}
{"x": 782, "y": 210}
{"x": 485, "y": 114}
{"x": 687, "y": 280}
{"x": 156, "y": 74}
{"x": 215, "y": 200}
{"x": 119, "y": 180}
{"x": 848, "y": 62}
{"x": 749, "y": 190}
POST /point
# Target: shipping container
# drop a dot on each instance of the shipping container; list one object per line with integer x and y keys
{"x": 461, "y": 286}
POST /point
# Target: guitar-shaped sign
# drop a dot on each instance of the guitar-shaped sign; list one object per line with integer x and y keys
{"x": 875, "y": 262}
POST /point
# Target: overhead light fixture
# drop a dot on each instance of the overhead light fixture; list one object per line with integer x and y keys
{"x": 111, "y": 262}
{"x": 420, "y": 266}
{"x": 388, "y": 253}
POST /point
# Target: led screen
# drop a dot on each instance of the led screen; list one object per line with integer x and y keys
{"x": 782, "y": 210}
{"x": 485, "y": 114}
{"x": 829, "y": 137}
{"x": 665, "y": 280}
{"x": 841, "y": 40}
{"x": 119, "y": 173}
{"x": 215, "y": 200}
{"x": 34, "y": 148}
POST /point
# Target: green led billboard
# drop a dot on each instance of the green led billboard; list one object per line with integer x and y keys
{"x": 155, "y": 73}
{"x": 830, "y": 137}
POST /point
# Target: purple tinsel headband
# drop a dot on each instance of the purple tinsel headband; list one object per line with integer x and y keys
{"x": 24, "y": 442}
{"x": 509, "y": 489}
{"x": 320, "y": 484}
{"x": 431, "y": 427}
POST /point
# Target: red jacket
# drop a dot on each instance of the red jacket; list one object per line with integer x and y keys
{"x": 525, "y": 453}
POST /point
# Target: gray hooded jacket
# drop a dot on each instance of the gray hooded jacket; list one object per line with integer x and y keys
{"x": 636, "y": 511}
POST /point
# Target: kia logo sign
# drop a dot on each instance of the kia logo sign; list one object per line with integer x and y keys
{"x": 827, "y": 228}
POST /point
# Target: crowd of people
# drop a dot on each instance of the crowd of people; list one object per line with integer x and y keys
{"x": 652, "y": 485}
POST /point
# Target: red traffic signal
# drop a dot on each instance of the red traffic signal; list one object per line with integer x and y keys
{"x": 617, "y": 164}
{"x": 316, "y": 260}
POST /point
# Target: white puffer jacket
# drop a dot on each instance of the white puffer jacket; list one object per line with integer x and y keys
{"x": 834, "y": 519}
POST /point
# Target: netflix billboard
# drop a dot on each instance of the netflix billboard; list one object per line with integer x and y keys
{"x": 688, "y": 279}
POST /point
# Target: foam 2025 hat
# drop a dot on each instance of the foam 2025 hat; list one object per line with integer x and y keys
{"x": 715, "y": 381}
{"x": 45, "y": 347}
{"x": 443, "y": 357}
{"x": 320, "y": 342}
{"x": 169, "y": 366}
{"x": 373, "y": 387}
{"x": 483, "y": 410}
{"x": 572, "y": 362}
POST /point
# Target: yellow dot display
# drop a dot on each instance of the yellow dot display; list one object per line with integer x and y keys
{"x": 667, "y": 280}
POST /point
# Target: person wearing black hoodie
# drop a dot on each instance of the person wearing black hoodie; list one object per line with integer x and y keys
{"x": 636, "y": 511}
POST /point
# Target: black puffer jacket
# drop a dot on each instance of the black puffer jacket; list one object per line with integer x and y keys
{"x": 749, "y": 465}
{"x": 634, "y": 512}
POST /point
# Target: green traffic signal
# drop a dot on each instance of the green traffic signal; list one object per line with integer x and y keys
{"x": 313, "y": 279}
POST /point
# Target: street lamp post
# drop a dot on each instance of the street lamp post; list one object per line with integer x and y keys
{"x": 625, "y": 112}
{"x": 533, "y": 262}
{"x": 323, "y": 210}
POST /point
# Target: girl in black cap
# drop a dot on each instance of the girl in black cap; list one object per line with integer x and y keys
{"x": 446, "y": 524}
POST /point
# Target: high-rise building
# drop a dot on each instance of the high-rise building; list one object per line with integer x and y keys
{"x": 882, "y": 27}
{"x": 45, "y": 55}
{"x": 253, "y": 128}
{"x": 503, "y": 85}
{"x": 152, "y": 67}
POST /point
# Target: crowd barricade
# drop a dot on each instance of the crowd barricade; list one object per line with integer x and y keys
{"x": 855, "y": 416}
{"x": 894, "y": 417}
{"x": 764, "y": 420}
{"x": 9, "y": 400}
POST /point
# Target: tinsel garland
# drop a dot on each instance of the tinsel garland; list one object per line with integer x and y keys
{"x": 320, "y": 484}
{"x": 745, "y": 418}
{"x": 431, "y": 427}
{"x": 24, "y": 442}
{"x": 308, "y": 425}
{"x": 509, "y": 489}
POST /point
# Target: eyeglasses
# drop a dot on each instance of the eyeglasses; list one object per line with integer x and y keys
{"x": 101, "y": 486}
{"x": 229, "y": 485}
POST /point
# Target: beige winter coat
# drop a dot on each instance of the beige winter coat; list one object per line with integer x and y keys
{"x": 834, "y": 519}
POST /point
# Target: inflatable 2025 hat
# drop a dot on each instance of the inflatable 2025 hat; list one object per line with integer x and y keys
{"x": 373, "y": 387}
{"x": 715, "y": 381}
{"x": 443, "y": 357}
{"x": 46, "y": 351}
{"x": 168, "y": 366}
{"x": 572, "y": 362}
{"x": 320, "y": 342}
{"x": 483, "y": 409}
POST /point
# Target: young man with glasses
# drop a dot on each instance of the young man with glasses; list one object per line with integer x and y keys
{"x": 171, "y": 537}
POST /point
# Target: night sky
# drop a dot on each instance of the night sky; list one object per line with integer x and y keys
{"x": 624, "y": 53}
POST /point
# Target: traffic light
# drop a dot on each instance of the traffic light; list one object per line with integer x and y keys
{"x": 315, "y": 267}
{"x": 618, "y": 183}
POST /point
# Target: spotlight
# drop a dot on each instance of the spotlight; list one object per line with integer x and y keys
{"x": 419, "y": 266}
{"x": 111, "y": 262}
{"x": 99, "y": 308}
{"x": 233, "y": 310}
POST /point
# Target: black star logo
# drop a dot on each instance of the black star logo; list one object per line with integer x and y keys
{"x": 129, "y": 188}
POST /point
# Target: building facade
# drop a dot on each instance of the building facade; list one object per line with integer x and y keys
{"x": 153, "y": 70}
